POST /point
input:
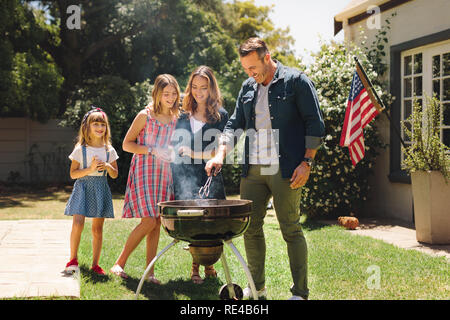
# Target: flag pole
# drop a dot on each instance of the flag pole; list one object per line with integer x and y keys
{"x": 380, "y": 102}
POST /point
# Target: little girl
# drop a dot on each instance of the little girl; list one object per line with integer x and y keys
{"x": 150, "y": 177}
{"x": 93, "y": 158}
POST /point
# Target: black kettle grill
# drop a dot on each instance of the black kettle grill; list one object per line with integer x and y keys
{"x": 206, "y": 224}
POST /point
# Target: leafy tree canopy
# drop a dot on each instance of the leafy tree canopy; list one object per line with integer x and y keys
{"x": 45, "y": 62}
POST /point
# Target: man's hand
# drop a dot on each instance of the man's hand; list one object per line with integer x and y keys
{"x": 300, "y": 176}
{"x": 214, "y": 164}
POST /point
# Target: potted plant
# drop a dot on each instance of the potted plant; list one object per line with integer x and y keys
{"x": 428, "y": 161}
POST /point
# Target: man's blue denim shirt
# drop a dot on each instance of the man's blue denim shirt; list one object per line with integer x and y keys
{"x": 294, "y": 111}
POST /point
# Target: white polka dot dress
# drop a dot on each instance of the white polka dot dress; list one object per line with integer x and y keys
{"x": 91, "y": 196}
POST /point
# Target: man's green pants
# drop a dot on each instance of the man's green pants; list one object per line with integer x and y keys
{"x": 259, "y": 186}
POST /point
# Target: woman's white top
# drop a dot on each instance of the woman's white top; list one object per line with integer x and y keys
{"x": 196, "y": 125}
{"x": 77, "y": 155}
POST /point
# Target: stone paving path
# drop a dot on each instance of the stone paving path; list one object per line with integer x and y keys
{"x": 32, "y": 255}
{"x": 400, "y": 234}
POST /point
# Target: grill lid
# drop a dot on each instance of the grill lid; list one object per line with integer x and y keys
{"x": 211, "y": 208}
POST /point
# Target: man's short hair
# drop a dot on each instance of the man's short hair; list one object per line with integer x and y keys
{"x": 254, "y": 44}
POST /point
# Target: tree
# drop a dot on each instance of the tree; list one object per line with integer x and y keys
{"x": 7, "y": 53}
{"x": 189, "y": 36}
{"x": 133, "y": 39}
{"x": 253, "y": 20}
{"x": 29, "y": 78}
{"x": 103, "y": 24}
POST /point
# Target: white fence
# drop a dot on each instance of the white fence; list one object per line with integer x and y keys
{"x": 34, "y": 152}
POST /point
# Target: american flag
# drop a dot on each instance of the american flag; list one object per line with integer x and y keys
{"x": 361, "y": 109}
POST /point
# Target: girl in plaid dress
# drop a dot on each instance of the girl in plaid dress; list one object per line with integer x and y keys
{"x": 150, "y": 177}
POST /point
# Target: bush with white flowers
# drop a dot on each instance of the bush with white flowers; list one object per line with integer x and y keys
{"x": 336, "y": 187}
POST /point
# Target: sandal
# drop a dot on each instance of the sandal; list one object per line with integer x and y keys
{"x": 195, "y": 275}
{"x": 210, "y": 272}
{"x": 152, "y": 279}
{"x": 118, "y": 271}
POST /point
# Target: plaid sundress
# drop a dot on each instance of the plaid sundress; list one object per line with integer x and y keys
{"x": 149, "y": 178}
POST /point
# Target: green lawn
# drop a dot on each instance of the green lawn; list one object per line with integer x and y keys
{"x": 341, "y": 265}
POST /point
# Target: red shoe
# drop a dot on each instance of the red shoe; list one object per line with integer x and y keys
{"x": 72, "y": 266}
{"x": 98, "y": 270}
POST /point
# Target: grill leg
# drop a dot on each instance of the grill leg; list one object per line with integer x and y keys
{"x": 228, "y": 277}
{"x": 151, "y": 264}
{"x": 244, "y": 265}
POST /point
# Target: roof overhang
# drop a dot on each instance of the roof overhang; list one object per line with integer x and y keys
{"x": 357, "y": 11}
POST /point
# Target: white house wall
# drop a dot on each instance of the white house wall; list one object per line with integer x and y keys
{"x": 414, "y": 20}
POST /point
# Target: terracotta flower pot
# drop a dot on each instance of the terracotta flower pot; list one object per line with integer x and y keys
{"x": 431, "y": 207}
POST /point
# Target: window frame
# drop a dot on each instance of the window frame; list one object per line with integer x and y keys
{"x": 396, "y": 174}
{"x": 413, "y": 53}
{"x": 440, "y": 51}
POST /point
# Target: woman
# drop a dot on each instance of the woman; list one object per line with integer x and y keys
{"x": 149, "y": 178}
{"x": 201, "y": 121}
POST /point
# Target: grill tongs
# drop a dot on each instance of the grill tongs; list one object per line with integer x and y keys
{"x": 204, "y": 191}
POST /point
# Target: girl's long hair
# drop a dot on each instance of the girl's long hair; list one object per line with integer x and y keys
{"x": 97, "y": 115}
{"x": 162, "y": 81}
{"x": 214, "y": 101}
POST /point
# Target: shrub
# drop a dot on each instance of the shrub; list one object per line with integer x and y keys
{"x": 336, "y": 187}
{"x": 427, "y": 152}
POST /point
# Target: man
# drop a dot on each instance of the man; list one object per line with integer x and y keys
{"x": 280, "y": 106}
